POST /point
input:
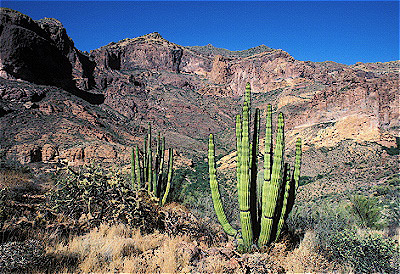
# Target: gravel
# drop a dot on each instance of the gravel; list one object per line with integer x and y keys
{"x": 21, "y": 257}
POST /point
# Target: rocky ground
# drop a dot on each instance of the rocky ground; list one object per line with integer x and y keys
{"x": 50, "y": 225}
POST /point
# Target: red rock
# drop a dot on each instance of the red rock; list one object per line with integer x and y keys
{"x": 27, "y": 153}
{"x": 49, "y": 152}
{"x": 220, "y": 72}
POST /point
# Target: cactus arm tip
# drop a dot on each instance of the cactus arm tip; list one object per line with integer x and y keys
{"x": 215, "y": 194}
{"x": 169, "y": 176}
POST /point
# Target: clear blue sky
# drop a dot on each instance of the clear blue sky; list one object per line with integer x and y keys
{"x": 344, "y": 32}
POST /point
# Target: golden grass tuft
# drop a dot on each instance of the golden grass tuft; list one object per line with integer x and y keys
{"x": 119, "y": 248}
{"x": 305, "y": 258}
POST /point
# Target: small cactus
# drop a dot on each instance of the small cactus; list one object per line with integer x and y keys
{"x": 151, "y": 172}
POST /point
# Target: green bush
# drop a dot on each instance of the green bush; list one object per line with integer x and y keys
{"x": 329, "y": 220}
{"x": 367, "y": 210}
{"x": 393, "y": 150}
{"x": 192, "y": 189}
{"x": 394, "y": 181}
{"x": 341, "y": 238}
{"x": 364, "y": 253}
{"x": 304, "y": 180}
{"x": 190, "y": 184}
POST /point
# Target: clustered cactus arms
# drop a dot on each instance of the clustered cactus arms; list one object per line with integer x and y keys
{"x": 151, "y": 174}
{"x": 264, "y": 204}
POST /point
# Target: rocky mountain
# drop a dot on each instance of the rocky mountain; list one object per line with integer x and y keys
{"x": 60, "y": 104}
{"x": 211, "y": 51}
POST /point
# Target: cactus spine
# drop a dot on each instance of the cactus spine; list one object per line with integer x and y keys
{"x": 152, "y": 172}
{"x": 264, "y": 205}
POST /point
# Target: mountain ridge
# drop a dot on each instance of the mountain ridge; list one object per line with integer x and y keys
{"x": 183, "y": 93}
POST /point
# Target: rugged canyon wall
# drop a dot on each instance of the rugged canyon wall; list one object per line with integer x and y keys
{"x": 61, "y": 103}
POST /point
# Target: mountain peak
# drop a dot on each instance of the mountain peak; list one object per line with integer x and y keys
{"x": 153, "y": 35}
{"x": 50, "y": 21}
{"x": 146, "y": 37}
{"x": 211, "y": 50}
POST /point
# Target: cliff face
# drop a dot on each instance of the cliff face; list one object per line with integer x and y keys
{"x": 186, "y": 92}
{"x": 27, "y": 52}
{"x": 42, "y": 53}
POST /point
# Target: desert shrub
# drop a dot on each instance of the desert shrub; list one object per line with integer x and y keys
{"x": 389, "y": 194}
{"x": 94, "y": 196}
{"x": 394, "y": 180}
{"x": 323, "y": 218}
{"x": 304, "y": 180}
{"x": 364, "y": 253}
{"x": 22, "y": 257}
{"x": 339, "y": 238}
{"x": 12, "y": 164}
{"x": 301, "y": 219}
{"x": 393, "y": 214}
{"x": 367, "y": 210}
{"x": 192, "y": 189}
{"x": 3, "y": 197}
{"x": 383, "y": 190}
{"x": 305, "y": 258}
{"x": 22, "y": 205}
{"x": 180, "y": 221}
{"x": 190, "y": 183}
{"x": 14, "y": 177}
{"x": 329, "y": 221}
{"x": 393, "y": 150}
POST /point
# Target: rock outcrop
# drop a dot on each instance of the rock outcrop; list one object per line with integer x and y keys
{"x": 41, "y": 52}
{"x": 27, "y": 52}
{"x": 220, "y": 71}
{"x": 82, "y": 66}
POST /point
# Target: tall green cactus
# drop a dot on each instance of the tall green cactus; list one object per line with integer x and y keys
{"x": 152, "y": 172}
{"x": 215, "y": 192}
{"x": 264, "y": 204}
{"x": 135, "y": 169}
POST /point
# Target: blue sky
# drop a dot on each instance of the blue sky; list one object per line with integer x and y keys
{"x": 344, "y": 32}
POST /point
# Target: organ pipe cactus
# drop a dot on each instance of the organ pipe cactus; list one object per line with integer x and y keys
{"x": 264, "y": 204}
{"x": 151, "y": 173}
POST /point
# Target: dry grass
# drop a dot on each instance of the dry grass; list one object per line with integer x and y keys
{"x": 119, "y": 248}
{"x": 305, "y": 258}
{"x": 10, "y": 178}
